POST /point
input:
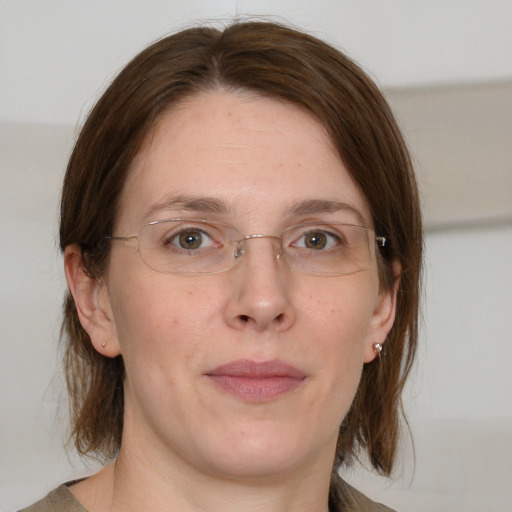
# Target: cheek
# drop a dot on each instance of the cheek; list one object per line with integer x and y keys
{"x": 338, "y": 323}
{"x": 159, "y": 314}
{"x": 341, "y": 311}
{"x": 162, "y": 326}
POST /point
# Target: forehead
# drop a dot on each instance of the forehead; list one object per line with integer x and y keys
{"x": 258, "y": 157}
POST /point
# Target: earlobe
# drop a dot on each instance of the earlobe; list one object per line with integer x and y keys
{"x": 383, "y": 317}
{"x": 92, "y": 303}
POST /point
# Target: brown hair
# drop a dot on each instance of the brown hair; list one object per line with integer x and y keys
{"x": 271, "y": 60}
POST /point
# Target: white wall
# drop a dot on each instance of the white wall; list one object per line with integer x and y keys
{"x": 460, "y": 403}
{"x": 55, "y": 56}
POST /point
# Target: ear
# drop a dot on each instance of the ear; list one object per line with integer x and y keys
{"x": 383, "y": 316}
{"x": 92, "y": 303}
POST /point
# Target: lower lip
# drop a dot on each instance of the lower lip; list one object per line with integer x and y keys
{"x": 256, "y": 389}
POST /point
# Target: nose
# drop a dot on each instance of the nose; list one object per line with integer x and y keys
{"x": 260, "y": 295}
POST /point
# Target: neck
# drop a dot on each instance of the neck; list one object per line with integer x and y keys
{"x": 148, "y": 475}
{"x": 141, "y": 483}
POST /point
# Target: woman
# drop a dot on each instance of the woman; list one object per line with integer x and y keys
{"x": 242, "y": 245}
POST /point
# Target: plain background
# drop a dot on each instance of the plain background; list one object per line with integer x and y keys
{"x": 446, "y": 67}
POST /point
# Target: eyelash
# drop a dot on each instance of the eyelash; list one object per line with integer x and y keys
{"x": 170, "y": 238}
{"x": 333, "y": 240}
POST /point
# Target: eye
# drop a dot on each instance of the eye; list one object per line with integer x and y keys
{"x": 317, "y": 240}
{"x": 190, "y": 239}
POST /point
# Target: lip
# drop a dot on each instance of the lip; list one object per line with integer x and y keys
{"x": 254, "y": 381}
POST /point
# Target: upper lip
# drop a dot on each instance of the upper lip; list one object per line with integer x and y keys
{"x": 254, "y": 369}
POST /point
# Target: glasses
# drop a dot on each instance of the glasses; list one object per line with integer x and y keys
{"x": 197, "y": 247}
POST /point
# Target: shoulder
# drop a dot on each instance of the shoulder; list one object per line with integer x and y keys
{"x": 349, "y": 499}
{"x": 59, "y": 500}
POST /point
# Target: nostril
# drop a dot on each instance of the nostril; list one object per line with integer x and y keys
{"x": 246, "y": 318}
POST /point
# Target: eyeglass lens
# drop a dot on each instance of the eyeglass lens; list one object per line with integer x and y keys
{"x": 200, "y": 247}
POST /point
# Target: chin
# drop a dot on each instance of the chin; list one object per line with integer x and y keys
{"x": 257, "y": 466}
{"x": 260, "y": 452}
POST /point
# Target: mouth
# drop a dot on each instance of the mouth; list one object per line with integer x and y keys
{"x": 256, "y": 381}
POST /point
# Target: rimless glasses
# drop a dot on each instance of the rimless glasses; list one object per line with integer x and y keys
{"x": 198, "y": 246}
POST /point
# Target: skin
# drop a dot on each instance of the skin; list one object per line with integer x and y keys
{"x": 182, "y": 432}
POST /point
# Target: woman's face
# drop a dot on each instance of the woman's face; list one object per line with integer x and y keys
{"x": 247, "y": 372}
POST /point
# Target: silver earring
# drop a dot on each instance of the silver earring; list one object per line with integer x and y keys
{"x": 103, "y": 344}
{"x": 377, "y": 348}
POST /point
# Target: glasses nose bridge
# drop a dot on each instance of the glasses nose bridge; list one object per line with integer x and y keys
{"x": 240, "y": 248}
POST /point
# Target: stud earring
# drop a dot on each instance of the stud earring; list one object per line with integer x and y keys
{"x": 104, "y": 344}
{"x": 377, "y": 348}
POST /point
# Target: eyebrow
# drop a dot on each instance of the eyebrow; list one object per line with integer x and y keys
{"x": 202, "y": 204}
{"x": 315, "y": 206}
{"x": 197, "y": 204}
